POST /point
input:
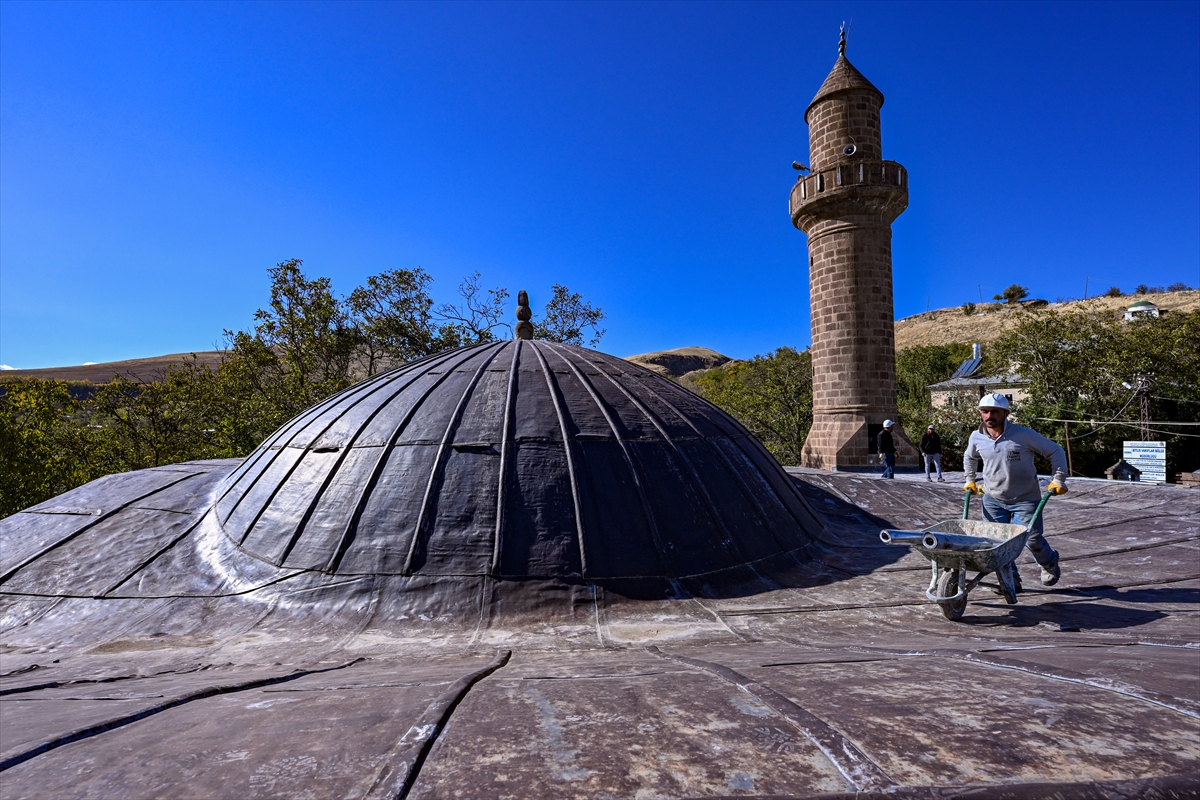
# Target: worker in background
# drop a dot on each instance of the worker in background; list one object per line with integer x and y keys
{"x": 931, "y": 451}
{"x": 886, "y": 446}
{"x": 1010, "y": 486}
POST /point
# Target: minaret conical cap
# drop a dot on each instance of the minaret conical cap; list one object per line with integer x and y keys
{"x": 841, "y": 78}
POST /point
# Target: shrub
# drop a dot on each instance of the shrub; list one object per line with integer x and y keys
{"x": 1015, "y": 293}
{"x": 1113, "y": 291}
{"x": 968, "y": 308}
{"x": 1178, "y": 286}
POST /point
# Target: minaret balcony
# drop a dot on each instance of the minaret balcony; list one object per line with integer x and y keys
{"x": 850, "y": 188}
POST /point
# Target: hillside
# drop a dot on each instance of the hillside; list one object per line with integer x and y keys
{"x": 941, "y": 326}
{"x": 946, "y": 325}
{"x": 680, "y": 361}
{"x": 137, "y": 369}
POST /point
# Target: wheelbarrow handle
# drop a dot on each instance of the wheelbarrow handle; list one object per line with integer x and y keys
{"x": 1038, "y": 513}
{"x": 1041, "y": 505}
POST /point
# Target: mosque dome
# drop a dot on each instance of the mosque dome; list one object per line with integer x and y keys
{"x": 516, "y": 460}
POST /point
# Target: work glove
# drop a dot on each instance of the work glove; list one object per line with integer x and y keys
{"x": 974, "y": 487}
{"x": 1056, "y": 488}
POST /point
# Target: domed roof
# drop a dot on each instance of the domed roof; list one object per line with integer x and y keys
{"x": 841, "y": 78}
{"x": 1142, "y": 304}
{"x": 516, "y": 459}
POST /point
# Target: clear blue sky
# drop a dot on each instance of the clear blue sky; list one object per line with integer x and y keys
{"x": 157, "y": 158}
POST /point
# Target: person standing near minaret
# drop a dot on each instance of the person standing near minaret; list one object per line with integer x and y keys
{"x": 846, "y": 204}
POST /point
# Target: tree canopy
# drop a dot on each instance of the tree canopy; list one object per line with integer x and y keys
{"x": 306, "y": 344}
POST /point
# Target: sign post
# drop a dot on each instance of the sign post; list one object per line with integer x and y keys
{"x": 1150, "y": 458}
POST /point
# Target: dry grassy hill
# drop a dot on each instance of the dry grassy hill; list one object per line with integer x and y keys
{"x": 137, "y": 369}
{"x": 941, "y": 326}
{"x": 947, "y": 325}
{"x": 680, "y": 361}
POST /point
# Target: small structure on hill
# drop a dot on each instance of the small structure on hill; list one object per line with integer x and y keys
{"x": 1142, "y": 309}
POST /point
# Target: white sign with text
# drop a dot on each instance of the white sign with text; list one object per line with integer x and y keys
{"x": 1150, "y": 458}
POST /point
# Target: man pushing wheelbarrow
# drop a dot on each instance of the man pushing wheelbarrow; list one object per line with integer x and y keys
{"x": 1010, "y": 486}
{"x": 1012, "y": 513}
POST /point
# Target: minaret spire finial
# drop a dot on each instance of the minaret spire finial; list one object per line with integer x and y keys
{"x": 524, "y": 329}
{"x": 842, "y": 42}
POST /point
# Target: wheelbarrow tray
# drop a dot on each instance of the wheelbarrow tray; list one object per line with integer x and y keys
{"x": 989, "y": 557}
{"x": 977, "y": 546}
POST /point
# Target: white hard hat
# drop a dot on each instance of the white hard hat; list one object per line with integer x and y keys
{"x": 887, "y": 423}
{"x": 993, "y": 400}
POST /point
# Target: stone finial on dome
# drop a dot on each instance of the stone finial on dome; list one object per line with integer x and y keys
{"x": 842, "y": 41}
{"x": 524, "y": 329}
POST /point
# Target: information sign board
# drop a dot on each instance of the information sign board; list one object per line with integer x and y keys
{"x": 1150, "y": 458}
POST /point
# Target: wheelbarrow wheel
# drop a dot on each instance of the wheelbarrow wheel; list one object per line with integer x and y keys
{"x": 948, "y": 587}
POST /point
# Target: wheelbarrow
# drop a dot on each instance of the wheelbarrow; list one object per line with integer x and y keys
{"x": 958, "y": 546}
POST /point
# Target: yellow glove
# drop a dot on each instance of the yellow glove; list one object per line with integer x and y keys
{"x": 976, "y": 488}
{"x": 1056, "y": 488}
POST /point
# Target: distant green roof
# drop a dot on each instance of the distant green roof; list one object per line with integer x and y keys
{"x": 1142, "y": 304}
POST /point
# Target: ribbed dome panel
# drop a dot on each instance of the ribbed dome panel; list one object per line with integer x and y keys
{"x": 519, "y": 459}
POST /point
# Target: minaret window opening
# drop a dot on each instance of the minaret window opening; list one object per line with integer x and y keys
{"x": 804, "y": 189}
{"x": 839, "y": 176}
{"x": 860, "y": 173}
{"x": 820, "y": 182}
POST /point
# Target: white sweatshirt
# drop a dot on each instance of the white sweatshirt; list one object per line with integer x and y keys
{"x": 1009, "y": 474}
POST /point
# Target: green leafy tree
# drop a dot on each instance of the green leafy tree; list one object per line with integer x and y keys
{"x": 566, "y": 318}
{"x": 1088, "y": 366}
{"x": 916, "y": 369}
{"x": 303, "y": 343}
{"x": 392, "y": 316}
{"x": 178, "y": 418}
{"x": 46, "y": 446}
{"x": 770, "y": 394}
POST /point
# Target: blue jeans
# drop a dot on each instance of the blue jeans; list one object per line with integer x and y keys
{"x": 1019, "y": 514}
{"x": 933, "y": 459}
{"x": 889, "y": 465}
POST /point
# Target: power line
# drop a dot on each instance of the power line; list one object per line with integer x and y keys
{"x": 1175, "y": 399}
{"x": 1114, "y": 421}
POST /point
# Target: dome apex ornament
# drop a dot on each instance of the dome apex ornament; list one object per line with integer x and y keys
{"x": 524, "y": 329}
{"x": 842, "y": 41}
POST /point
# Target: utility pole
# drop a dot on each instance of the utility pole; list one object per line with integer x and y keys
{"x": 1067, "y": 434}
{"x": 1143, "y": 389}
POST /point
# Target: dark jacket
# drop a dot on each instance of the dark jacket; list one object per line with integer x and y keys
{"x": 931, "y": 443}
{"x": 886, "y": 444}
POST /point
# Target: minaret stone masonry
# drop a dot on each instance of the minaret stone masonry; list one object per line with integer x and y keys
{"x": 846, "y": 204}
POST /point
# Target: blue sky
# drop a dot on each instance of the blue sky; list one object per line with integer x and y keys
{"x": 157, "y": 158}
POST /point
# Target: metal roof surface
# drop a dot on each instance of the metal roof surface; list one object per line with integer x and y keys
{"x": 144, "y": 654}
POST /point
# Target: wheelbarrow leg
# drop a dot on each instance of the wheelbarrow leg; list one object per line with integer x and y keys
{"x": 1007, "y": 585}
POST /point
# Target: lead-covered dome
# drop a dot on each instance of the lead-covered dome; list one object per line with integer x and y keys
{"x": 516, "y": 459}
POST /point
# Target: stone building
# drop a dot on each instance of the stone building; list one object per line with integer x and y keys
{"x": 846, "y": 204}
{"x": 966, "y": 386}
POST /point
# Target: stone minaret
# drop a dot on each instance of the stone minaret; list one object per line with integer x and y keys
{"x": 846, "y": 205}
